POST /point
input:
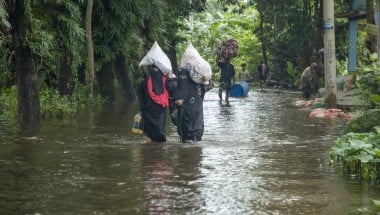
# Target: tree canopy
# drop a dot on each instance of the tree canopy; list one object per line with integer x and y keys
{"x": 49, "y": 38}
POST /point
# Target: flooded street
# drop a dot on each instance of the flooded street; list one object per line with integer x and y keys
{"x": 259, "y": 156}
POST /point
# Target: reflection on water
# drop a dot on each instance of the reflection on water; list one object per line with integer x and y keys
{"x": 260, "y": 156}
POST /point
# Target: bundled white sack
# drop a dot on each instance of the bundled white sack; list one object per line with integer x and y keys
{"x": 157, "y": 57}
{"x": 201, "y": 68}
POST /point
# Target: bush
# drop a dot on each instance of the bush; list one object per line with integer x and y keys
{"x": 8, "y": 108}
{"x": 364, "y": 123}
{"x": 55, "y": 105}
{"x": 8, "y": 103}
{"x": 52, "y": 104}
{"x": 359, "y": 154}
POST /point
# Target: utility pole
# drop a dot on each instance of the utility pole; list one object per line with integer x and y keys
{"x": 329, "y": 53}
{"x": 378, "y": 32}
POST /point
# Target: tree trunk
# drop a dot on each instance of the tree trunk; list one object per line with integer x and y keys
{"x": 319, "y": 35}
{"x": 371, "y": 43}
{"x": 378, "y": 33}
{"x": 90, "y": 49}
{"x": 26, "y": 72}
{"x": 66, "y": 81}
{"x": 172, "y": 54}
{"x": 122, "y": 71}
{"x": 262, "y": 37}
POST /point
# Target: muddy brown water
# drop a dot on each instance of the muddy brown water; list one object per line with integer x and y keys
{"x": 259, "y": 156}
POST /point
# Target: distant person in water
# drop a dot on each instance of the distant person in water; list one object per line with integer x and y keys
{"x": 262, "y": 73}
{"x": 227, "y": 78}
{"x": 243, "y": 74}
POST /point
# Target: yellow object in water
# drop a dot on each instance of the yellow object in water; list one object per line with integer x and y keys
{"x": 136, "y": 128}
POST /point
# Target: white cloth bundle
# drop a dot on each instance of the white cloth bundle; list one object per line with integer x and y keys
{"x": 201, "y": 68}
{"x": 157, "y": 57}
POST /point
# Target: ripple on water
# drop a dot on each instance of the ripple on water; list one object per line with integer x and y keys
{"x": 259, "y": 156}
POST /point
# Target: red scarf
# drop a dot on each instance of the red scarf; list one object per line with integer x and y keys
{"x": 163, "y": 98}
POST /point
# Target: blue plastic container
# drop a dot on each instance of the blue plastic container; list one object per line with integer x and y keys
{"x": 239, "y": 89}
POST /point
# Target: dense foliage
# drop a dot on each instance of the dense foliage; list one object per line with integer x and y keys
{"x": 359, "y": 154}
{"x": 49, "y": 38}
{"x": 212, "y": 27}
{"x": 368, "y": 75}
{"x": 285, "y": 34}
{"x": 365, "y": 122}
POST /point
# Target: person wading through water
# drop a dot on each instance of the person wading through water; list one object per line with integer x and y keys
{"x": 227, "y": 77}
{"x": 154, "y": 100}
{"x": 262, "y": 70}
{"x": 188, "y": 98}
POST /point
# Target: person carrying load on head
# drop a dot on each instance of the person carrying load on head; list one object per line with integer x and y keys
{"x": 226, "y": 52}
{"x": 153, "y": 94}
{"x": 227, "y": 78}
{"x": 193, "y": 81}
{"x": 189, "y": 97}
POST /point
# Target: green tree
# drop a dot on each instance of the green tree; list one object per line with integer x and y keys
{"x": 90, "y": 49}
{"x": 6, "y": 76}
{"x": 26, "y": 72}
{"x": 125, "y": 30}
{"x": 46, "y": 38}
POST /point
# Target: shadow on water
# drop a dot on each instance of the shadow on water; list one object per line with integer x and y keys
{"x": 259, "y": 156}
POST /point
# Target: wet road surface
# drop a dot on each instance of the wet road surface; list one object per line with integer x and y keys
{"x": 259, "y": 156}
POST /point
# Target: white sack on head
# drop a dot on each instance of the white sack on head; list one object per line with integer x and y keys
{"x": 201, "y": 67}
{"x": 157, "y": 57}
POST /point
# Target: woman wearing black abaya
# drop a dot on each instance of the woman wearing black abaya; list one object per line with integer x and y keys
{"x": 154, "y": 99}
{"x": 189, "y": 102}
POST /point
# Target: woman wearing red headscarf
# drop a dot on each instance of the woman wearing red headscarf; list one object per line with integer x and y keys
{"x": 154, "y": 100}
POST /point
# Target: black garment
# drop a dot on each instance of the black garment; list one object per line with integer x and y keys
{"x": 189, "y": 121}
{"x": 225, "y": 82}
{"x": 227, "y": 72}
{"x": 307, "y": 91}
{"x": 319, "y": 73}
{"x": 172, "y": 87}
{"x": 158, "y": 84}
{"x": 153, "y": 115}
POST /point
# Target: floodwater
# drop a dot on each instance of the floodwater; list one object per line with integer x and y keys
{"x": 259, "y": 156}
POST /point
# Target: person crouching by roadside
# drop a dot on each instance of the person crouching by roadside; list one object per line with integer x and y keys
{"x": 307, "y": 80}
{"x": 154, "y": 100}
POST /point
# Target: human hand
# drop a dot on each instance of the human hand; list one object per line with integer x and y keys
{"x": 179, "y": 102}
{"x": 171, "y": 74}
